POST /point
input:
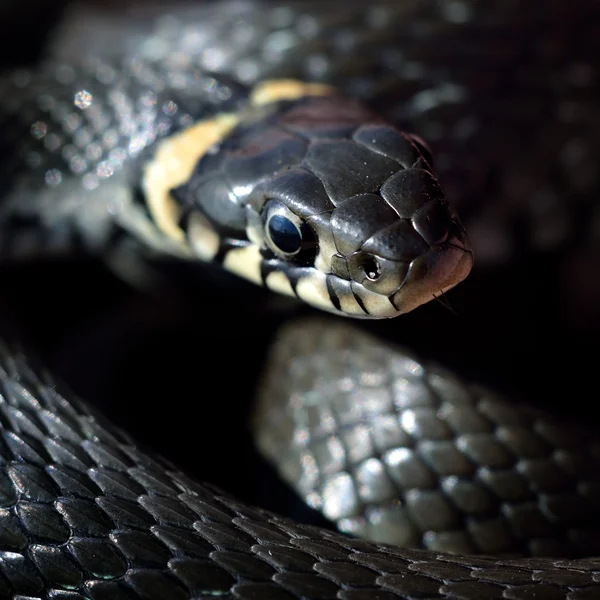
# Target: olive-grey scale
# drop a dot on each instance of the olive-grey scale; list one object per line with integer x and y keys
{"x": 86, "y": 514}
{"x": 400, "y": 451}
{"x": 182, "y": 138}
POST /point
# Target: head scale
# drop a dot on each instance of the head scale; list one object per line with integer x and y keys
{"x": 322, "y": 199}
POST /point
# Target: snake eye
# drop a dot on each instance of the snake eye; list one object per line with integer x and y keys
{"x": 284, "y": 234}
{"x": 287, "y": 234}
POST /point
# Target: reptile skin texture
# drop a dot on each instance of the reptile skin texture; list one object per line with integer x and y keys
{"x": 507, "y": 95}
{"x": 85, "y": 513}
{"x": 399, "y": 451}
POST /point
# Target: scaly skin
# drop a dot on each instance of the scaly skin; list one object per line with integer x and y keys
{"x": 508, "y": 98}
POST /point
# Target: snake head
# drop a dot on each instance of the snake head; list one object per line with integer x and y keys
{"x": 322, "y": 199}
{"x": 403, "y": 245}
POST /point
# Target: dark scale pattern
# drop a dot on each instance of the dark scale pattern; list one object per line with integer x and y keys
{"x": 399, "y": 451}
{"x": 362, "y": 181}
{"x": 514, "y": 128}
{"x": 74, "y": 140}
{"x": 86, "y": 514}
{"x": 506, "y": 95}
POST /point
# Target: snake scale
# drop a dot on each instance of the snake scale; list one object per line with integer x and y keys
{"x": 495, "y": 500}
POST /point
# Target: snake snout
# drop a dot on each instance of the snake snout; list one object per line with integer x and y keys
{"x": 442, "y": 266}
{"x": 405, "y": 244}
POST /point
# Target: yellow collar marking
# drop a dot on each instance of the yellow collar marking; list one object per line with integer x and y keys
{"x": 173, "y": 165}
{"x": 176, "y": 157}
{"x": 275, "y": 90}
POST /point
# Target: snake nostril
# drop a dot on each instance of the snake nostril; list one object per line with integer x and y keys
{"x": 372, "y": 268}
{"x": 364, "y": 267}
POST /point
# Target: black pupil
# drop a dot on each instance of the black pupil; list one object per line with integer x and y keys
{"x": 284, "y": 234}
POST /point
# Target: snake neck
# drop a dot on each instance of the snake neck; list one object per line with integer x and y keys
{"x": 74, "y": 153}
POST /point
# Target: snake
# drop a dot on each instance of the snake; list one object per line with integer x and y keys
{"x": 323, "y": 151}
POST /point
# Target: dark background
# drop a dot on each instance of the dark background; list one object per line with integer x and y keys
{"x": 178, "y": 368}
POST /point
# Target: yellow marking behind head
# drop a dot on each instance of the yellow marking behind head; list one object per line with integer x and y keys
{"x": 175, "y": 158}
{"x": 245, "y": 262}
{"x": 172, "y": 166}
{"x": 287, "y": 89}
{"x": 203, "y": 238}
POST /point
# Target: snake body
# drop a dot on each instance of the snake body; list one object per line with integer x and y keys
{"x": 86, "y": 147}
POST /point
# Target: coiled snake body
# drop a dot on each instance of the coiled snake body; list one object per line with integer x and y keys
{"x": 194, "y": 139}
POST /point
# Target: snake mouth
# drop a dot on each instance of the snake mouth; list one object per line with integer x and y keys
{"x": 437, "y": 270}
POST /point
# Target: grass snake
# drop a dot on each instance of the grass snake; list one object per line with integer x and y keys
{"x": 190, "y": 137}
